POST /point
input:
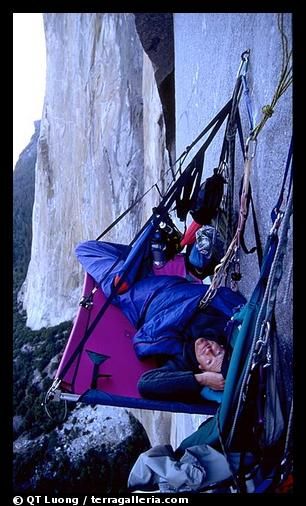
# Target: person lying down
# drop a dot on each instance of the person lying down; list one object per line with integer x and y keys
{"x": 189, "y": 344}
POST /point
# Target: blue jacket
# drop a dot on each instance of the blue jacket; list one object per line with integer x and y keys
{"x": 160, "y": 307}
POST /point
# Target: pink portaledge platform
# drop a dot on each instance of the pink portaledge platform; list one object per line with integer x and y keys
{"x": 106, "y": 362}
{"x": 110, "y": 343}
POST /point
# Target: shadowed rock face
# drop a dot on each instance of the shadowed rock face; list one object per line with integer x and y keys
{"x": 155, "y": 31}
{"x": 101, "y": 145}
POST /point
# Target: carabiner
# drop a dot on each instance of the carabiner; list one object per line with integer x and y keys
{"x": 248, "y": 153}
{"x": 265, "y": 331}
{"x": 244, "y": 63}
{"x": 245, "y": 55}
{"x": 277, "y": 222}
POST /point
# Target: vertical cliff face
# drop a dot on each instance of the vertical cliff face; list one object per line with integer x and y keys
{"x": 206, "y": 79}
{"x": 101, "y": 145}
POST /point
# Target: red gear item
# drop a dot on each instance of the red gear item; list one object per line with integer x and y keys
{"x": 124, "y": 287}
{"x": 190, "y": 234}
{"x": 287, "y": 485}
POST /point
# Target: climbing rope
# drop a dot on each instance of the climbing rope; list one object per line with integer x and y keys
{"x": 285, "y": 79}
{"x": 284, "y": 82}
{"x": 220, "y": 271}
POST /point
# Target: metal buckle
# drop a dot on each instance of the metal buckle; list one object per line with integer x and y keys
{"x": 86, "y": 302}
{"x": 52, "y": 393}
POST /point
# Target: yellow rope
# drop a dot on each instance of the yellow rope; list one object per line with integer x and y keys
{"x": 284, "y": 82}
{"x": 285, "y": 79}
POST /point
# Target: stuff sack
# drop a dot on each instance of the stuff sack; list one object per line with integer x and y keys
{"x": 208, "y": 199}
{"x": 206, "y": 252}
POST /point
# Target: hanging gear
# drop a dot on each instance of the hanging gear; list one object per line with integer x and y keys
{"x": 191, "y": 177}
{"x": 208, "y": 199}
{"x": 166, "y": 241}
{"x": 158, "y": 248}
{"x": 206, "y": 252}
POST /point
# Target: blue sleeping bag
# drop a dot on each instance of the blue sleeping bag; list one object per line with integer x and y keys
{"x": 159, "y": 307}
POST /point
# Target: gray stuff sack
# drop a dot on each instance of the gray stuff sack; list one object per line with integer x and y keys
{"x": 158, "y": 468}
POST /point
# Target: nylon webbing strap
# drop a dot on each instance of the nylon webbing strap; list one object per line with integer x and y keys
{"x": 248, "y": 104}
{"x": 279, "y": 203}
{"x": 221, "y": 114}
{"x": 198, "y": 159}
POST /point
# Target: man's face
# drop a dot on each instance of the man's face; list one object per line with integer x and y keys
{"x": 209, "y": 354}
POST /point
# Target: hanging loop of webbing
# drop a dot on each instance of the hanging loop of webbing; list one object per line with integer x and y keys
{"x": 248, "y": 103}
{"x": 243, "y": 211}
{"x": 158, "y": 190}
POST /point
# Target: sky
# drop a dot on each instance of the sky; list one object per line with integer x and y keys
{"x": 29, "y": 72}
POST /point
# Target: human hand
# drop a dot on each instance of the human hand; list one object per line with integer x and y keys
{"x": 214, "y": 380}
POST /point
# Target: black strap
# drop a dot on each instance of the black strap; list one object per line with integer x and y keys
{"x": 193, "y": 173}
{"x": 186, "y": 200}
{"x": 280, "y": 199}
{"x": 258, "y": 247}
{"x": 224, "y": 111}
{"x": 190, "y": 189}
{"x": 124, "y": 213}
